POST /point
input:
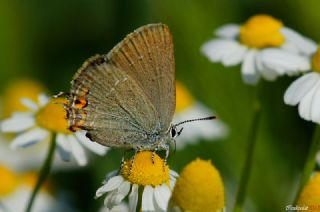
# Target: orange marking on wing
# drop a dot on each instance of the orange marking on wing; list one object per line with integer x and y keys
{"x": 78, "y": 120}
{"x": 80, "y": 102}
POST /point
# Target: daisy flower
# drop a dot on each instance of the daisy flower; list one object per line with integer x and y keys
{"x": 265, "y": 47}
{"x": 305, "y": 91}
{"x": 16, "y": 189}
{"x": 188, "y": 108}
{"x": 45, "y": 117}
{"x": 198, "y": 188}
{"x": 152, "y": 176}
{"x": 310, "y": 195}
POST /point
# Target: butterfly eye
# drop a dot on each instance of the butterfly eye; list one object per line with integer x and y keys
{"x": 80, "y": 102}
{"x": 173, "y": 132}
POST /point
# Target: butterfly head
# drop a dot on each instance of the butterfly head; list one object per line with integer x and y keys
{"x": 175, "y": 132}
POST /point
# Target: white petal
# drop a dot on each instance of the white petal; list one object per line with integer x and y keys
{"x": 305, "y": 45}
{"x": 173, "y": 176}
{"x": 77, "y": 150}
{"x": 268, "y": 74}
{"x": 133, "y": 197}
{"x": 228, "y": 31}
{"x": 122, "y": 192}
{"x": 174, "y": 173}
{"x": 162, "y": 195}
{"x": 300, "y": 87}
{"x": 29, "y": 104}
{"x": 17, "y": 124}
{"x": 265, "y": 72}
{"x": 229, "y": 52}
{"x": 30, "y": 137}
{"x": 147, "y": 199}
{"x": 111, "y": 174}
{"x": 290, "y": 47}
{"x": 43, "y": 99}
{"x": 116, "y": 196}
{"x": 306, "y": 103}
{"x": 117, "y": 208}
{"x": 63, "y": 146}
{"x": 112, "y": 184}
{"x": 284, "y": 62}
{"x": 172, "y": 182}
{"x": 315, "y": 106}
{"x": 248, "y": 69}
{"x": 109, "y": 201}
{"x": 235, "y": 55}
{"x": 93, "y": 146}
{"x": 22, "y": 114}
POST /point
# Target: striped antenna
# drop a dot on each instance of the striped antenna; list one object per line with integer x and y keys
{"x": 198, "y": 119}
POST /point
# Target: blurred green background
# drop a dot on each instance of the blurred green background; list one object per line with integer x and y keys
{"x": 49, "y": 40}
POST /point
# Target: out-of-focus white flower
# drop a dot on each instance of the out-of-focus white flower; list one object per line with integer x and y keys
{"x": 263, "y": 45}
{"x": 305, "y": 91}
{"x": 15, "y": 191}
{"x": 28, "y": 158}
{"x": 153, "y": 176}
{"x": 188, "y": 108}
{"x": 44, "y": 118}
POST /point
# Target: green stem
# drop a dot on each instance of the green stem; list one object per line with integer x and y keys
{"x": 44, "y": 172}
{"x": 310, "y": 161}
{"x": 252, "y": 138}
{"x": 139, "y": 205}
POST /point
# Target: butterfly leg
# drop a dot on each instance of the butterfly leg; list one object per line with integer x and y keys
{"x": 154, "y": 154}
{"x": 162, "y": 147}
{"x": 123, "y": 158}
{"x": 166, "y": 148}
{"x": 132, "y": 161}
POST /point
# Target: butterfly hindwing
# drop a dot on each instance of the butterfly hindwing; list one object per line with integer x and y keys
{"x": 116, "y": 111}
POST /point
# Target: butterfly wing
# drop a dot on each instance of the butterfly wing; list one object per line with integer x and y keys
{"x": 147, "y": 56}
{"x": 110, "y": 105}
{"x": 129, "y": 94}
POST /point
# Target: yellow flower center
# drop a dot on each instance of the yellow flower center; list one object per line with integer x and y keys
{"x": 53, "y": 116}
{"x": 262, "y": 31}
{"x": 310, "y": 196}
{"x": 199, "y": 188}
{"x": 17, "y": 90}
{"x": 8, "y": 181}
{"x": 315, "y": 61}
{"x": 183, "y": 98}
{"x": 144, "y": 172}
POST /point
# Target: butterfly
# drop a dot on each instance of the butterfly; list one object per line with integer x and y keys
{"x": 126, "y": 98}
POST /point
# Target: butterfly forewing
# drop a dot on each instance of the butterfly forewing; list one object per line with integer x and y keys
{"x": 147, "y": 55}
{"x": 127, "y": 96}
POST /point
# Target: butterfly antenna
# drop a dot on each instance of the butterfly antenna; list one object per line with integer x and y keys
{"x": 198, "y": 119}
